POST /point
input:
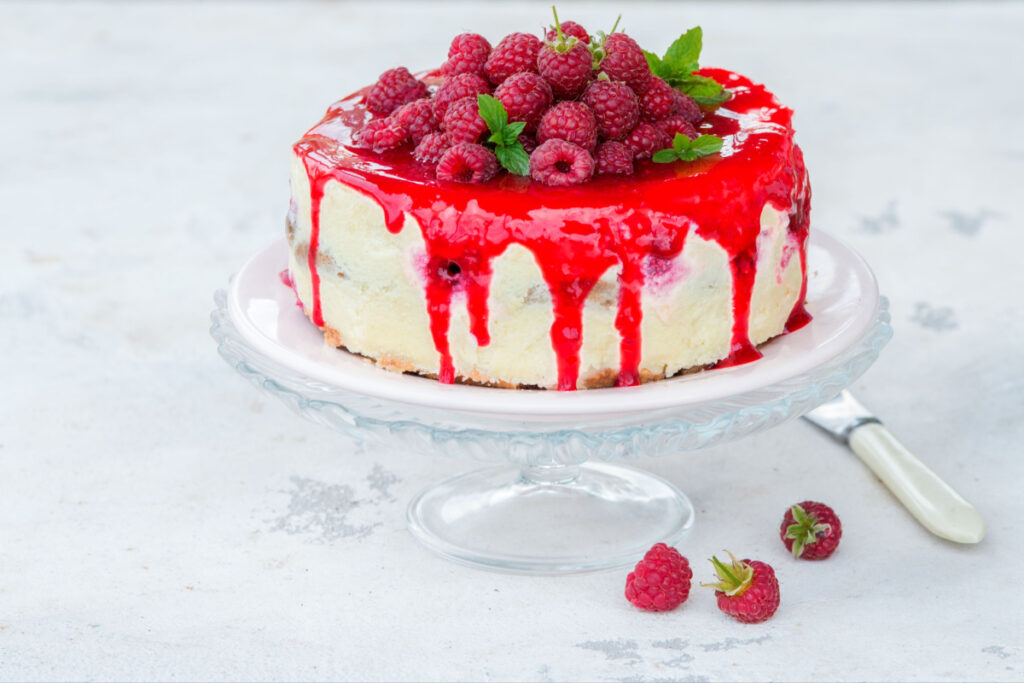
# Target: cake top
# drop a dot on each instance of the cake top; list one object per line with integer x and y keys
{"x": 559, "y": 110}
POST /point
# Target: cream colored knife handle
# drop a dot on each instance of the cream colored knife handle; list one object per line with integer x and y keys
{"x": 932, "y": 501}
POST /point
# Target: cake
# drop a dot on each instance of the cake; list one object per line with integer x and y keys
{"x": 518, "y": 245}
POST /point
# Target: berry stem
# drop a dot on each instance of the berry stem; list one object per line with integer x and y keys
{"x": 558, "y": 25}
{"x": 615, "y": 25}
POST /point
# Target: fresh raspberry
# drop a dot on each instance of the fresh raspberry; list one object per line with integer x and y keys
{"x": 467, "y": 55}
{"x": 567, "y": 65}
{"x": 810, "y": 530}
{"x": 747, "y": 590}
{"x": 455, "y": 88}
{"x": 526, "y": 97}
{"x": 462, "y": 122}
{"x": 431, "y": 148}
{"x": 615, "y": 108}
{"x": 380, "y": 135}
{"x": 570, "y": 121}
{"x": 661, "y": 581}
{"x": 676, "y": 124}
{"x": 657, "y": 101}
{"x": 645, "y": 140}
{"x": 614, "y": 158}
{"x": 569, "y": 28}
{"x": 683, "y": 105}
{"x": 394, "y": 88}
{"x": 528, "y": 142}
{"x": 466, "y": 162}
{"x": 516, "y": 52}
{"x": 557, "y": 162}
{"x": 417, "y": 118}
{"x": 625, "y": 61}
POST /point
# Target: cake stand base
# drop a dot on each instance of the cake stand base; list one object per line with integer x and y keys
{"x": 549, "y": 520}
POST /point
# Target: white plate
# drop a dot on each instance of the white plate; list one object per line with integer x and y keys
{"x": 842, "y": 296}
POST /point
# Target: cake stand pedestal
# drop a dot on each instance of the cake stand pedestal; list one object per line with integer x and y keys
{"x": 556, "y": 505}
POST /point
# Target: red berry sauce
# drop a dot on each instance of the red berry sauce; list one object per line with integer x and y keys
{"x": 576, "y": 233}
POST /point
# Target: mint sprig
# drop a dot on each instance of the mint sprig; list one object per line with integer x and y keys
{"x": 678, "y": 65}
{"x": 504, "y": 135}
{"x": 685, "y": 149}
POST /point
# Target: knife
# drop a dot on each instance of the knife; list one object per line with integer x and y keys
{"x": 935, "y": 504}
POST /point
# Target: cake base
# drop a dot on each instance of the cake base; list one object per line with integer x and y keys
{"x": 549, "y": 520}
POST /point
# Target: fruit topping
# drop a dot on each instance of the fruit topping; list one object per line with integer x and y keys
{"x": 394, "y": 88}
{"x": 614, "y": 158}
{"x": 615, "y": 108}
{"x": 569, "y": 121}
{"x": 515, "y": 53}
{"x": 462, "y": 121}
{"x": 557, "y": 162}
{"x": 467, "y": 55}
{"x": 466, "y": 162}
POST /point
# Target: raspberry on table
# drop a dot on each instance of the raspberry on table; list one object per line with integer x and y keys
{"x": 526, "y": 97}
{"x": 394, "y": 88}
{"x": 417, "y": 117}
{"x": 561, "y": 163}
{"x": 567, "y": 65}
{"x": 657, "y": 101}
{"x": 569, "y": 28}
{"x": 746, "y": 590}
{"x": 615, "y": 108}
{"x": 811, "y": 530}
{"x": 671, "y": 125}
{"x": 466, "y": 162}
{"x": 614, "y": 158}
{"x": 467, "y": 55}
{"x": 462, "y": 122}
{"x": 661, "y": 581}
{"x": 380, "y": 135}
{"x": 625, "y": 61}
{"x": 684, "y": 105}
{"x": 455, "y": 88}
{"x": 430, "y": 148}
{"x": 645, "y": 140}
{"x": 569, "y": 121}
{"x": 515, "y": 53}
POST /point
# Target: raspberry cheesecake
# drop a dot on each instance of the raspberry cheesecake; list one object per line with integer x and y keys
{"x": 557, "y": 211}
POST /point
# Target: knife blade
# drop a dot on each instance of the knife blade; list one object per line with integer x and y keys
{"x": 933, "y": 502}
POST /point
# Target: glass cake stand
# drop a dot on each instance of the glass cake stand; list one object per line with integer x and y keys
{"x": 555, "y": 503}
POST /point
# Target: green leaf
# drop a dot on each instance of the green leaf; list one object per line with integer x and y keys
{"x": 492, "y": 111}
{"x": 683, "y": 55}
{"x": 513, "y": 131}
{"x": 714, "y": 100}
{"x": 665, "y": 156}
{"x": 514, "y": 158}
{"x": 680, "y": 142}
{"x": 653, "y": 61}
{"x": 706, "y": 145}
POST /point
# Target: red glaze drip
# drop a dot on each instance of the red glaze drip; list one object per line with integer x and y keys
{"x": 576, "y": 234}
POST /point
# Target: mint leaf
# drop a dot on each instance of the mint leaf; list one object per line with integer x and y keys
{"x": 683, "y": 55}
{"x": 492, "y": 111}
{"x": 665, "y": 156}
{"x": 713, "y": 100}
{"x": 653, "y": 61}
{"x": 514, "y": 158}
{"x": 680, "y": 142}
{"x": 706, "y": 145}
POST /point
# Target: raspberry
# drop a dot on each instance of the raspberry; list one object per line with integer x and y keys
{"x": 645, "y": 140}
{"x": 455, "y": 88}
{"x": 526, "y": 96}
{"x": 466, "y": 162}
{"x": 747, "y": 590}
{"x": 614, "y": 158}
{"x": 569, "y": 28}
{"x": 625, "y": 61}
{"x": 431, "y": 148}
{"x": 462, "y": 122}
{"x": 467, "y": 55}
{"x": 676, "y": 124}
{"x": 661, "y": 581}
{"x": 657, "y": 101}
{"x": 567, "y": 65}
{"x": 528, "y": 142}
{"x": 615, "y": 108}
{"x": 380, "y": 135}
{"x": 683, "y": 105}
{"x": 516, "y": 52}
{"x": 570, "y": 121}
{"x": 417, "y": 118}
{"x": 394, "y": 88}
{"x": 811, "y": 531}
{"x": 557, "y": 162}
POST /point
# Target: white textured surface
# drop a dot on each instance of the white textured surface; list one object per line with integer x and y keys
{"x": 159, "y": 519}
